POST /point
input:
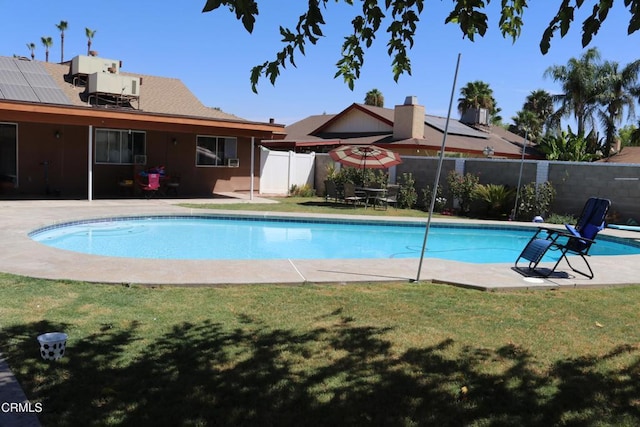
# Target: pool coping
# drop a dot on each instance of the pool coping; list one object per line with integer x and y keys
{"x": 23, "y": 256}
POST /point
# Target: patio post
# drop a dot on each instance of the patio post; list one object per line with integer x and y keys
{"x": 90, "y": 165}
{"x": 252, "y": 162}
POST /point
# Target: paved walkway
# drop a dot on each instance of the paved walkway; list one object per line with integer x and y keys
{"x": 23, "y": 256}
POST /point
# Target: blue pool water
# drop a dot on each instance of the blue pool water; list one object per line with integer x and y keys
{"x": 214, "y": 237}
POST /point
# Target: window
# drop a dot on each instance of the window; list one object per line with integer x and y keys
{"x": 119, "y": 146}
{"x": 215, "y": 150}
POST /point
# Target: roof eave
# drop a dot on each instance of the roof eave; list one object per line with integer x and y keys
{"x": 53, "y": 113}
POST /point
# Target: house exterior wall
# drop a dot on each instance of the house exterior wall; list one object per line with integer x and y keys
{"x": 357, "y": 121}
{"x": 65, "y": 158}
{"x": 66, "y": 171}
{"x": 179, "y": 160}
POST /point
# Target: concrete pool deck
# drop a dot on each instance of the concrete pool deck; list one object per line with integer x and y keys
{"x": 25, "y": 257}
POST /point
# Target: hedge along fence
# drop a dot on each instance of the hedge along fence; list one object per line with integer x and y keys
{"x": 574, "y": 182}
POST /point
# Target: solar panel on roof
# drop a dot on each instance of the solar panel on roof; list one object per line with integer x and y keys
{"x": 12, "y": 77}
{"x": 28, "y": 81}
{"x": 30, "y": 67}
{"x": 8, "y": 64}
{"x": 18, "y": 93}
{"x": 40, "y": 80}
{"x": 50, "y": 96}
{"x": 455, "y": 127}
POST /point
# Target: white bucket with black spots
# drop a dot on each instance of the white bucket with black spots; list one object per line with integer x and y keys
{"x": 52, "y": 345}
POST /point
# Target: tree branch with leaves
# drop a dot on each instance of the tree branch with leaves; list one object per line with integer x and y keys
{"x": 403, "y": 17}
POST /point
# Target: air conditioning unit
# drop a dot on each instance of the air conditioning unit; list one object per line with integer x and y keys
{"x": 233, "y": 163}
{"x": 113, "y": 84}
{"x": 140, "y": 159}
{"x": 82, "y": 64}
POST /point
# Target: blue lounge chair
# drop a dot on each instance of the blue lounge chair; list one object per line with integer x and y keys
{"x": 574, "y": 241}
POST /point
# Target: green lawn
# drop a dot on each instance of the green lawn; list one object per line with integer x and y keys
{"x": 316, "y": 205}
{"x": 363, "y": 354}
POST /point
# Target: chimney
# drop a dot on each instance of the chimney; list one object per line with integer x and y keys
{"x": 408, "y": 119}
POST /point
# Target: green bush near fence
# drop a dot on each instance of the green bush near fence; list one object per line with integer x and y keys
{"x": 498, "y": 199}
{"x": 407, "y": 195}
{"x": 534, "y": 201}
{"x": 359, "y": 177}
{"x": 440, "y": 202}
{"x": 463, "y": 189}
{"x": 302, "y": 191}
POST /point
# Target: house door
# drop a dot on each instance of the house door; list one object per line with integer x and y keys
{"x": 8, "y": 156}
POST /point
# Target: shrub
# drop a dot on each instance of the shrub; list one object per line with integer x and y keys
{"x": 359, "y": 177}
{"x": 498, "y": 198}
{"x": 407, "y": 194}
{"x": 535, "y": 201}
{"x": 462, "y": 188}
{"x": 561, "y": 219}
{"x": 440, "y": 203}
{"x": 303, "y": 191}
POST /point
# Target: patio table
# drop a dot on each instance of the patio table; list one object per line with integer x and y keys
{"x": 372, "y": 193}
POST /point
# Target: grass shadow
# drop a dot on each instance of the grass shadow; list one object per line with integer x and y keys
{"x": 207, "y": 374}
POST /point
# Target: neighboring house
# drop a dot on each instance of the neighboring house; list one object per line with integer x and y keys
{"x": 629, "y": 155}
{"x": 81, "y": 128}
{"x": 405, "y": 129}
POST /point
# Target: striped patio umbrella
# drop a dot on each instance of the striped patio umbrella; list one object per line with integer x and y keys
{"x": 365, "y": 156}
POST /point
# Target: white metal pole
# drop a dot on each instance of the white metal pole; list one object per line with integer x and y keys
{"x": 252, "y": 166}
{"x": 437, "y": 180}
{"x": 90, "y": 165}
{"x": 515, "y": 206}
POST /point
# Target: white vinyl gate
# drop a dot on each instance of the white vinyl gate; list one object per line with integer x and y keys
{"x": 279, "y": 170}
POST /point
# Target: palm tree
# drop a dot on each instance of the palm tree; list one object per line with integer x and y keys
{"x": 62, "y": 26}
{"x": 374, "y": 97}
{"x": 527, "y": 124}
{"x": 47, "y": 42}
{"x": 477, "y": 95}
{"x": 616, "y": 96}
{"x": 540, "y": 103}
{"x": 579, "y": 86}
{"x": 32, "y": 48}
{"x": 90, "y": 34}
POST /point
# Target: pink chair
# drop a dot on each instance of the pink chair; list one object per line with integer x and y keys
{"x": 152, "y": 186}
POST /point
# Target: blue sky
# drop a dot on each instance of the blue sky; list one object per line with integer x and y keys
{"x": 213, "y": 55}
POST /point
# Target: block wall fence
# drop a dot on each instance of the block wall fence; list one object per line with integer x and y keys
{"x": 574, "y": 182}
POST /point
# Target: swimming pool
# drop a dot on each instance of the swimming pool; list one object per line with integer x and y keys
{"x": 249, "y": 237}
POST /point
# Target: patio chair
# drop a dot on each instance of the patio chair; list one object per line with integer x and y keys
{"x": 151, "y": 187}
{"x": 331, "y": 190}
{"x": 390, "y": 197}
{"x": 353, "y": 196}
{"x": 172, "y": 185}
{"x": 575, "y": 241}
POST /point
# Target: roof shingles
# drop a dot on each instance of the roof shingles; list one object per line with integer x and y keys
{"x": 160, "y": 95}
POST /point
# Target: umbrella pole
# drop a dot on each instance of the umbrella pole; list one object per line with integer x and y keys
{"x": 437, "y": 180}
{"x": 364, "y": 166}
